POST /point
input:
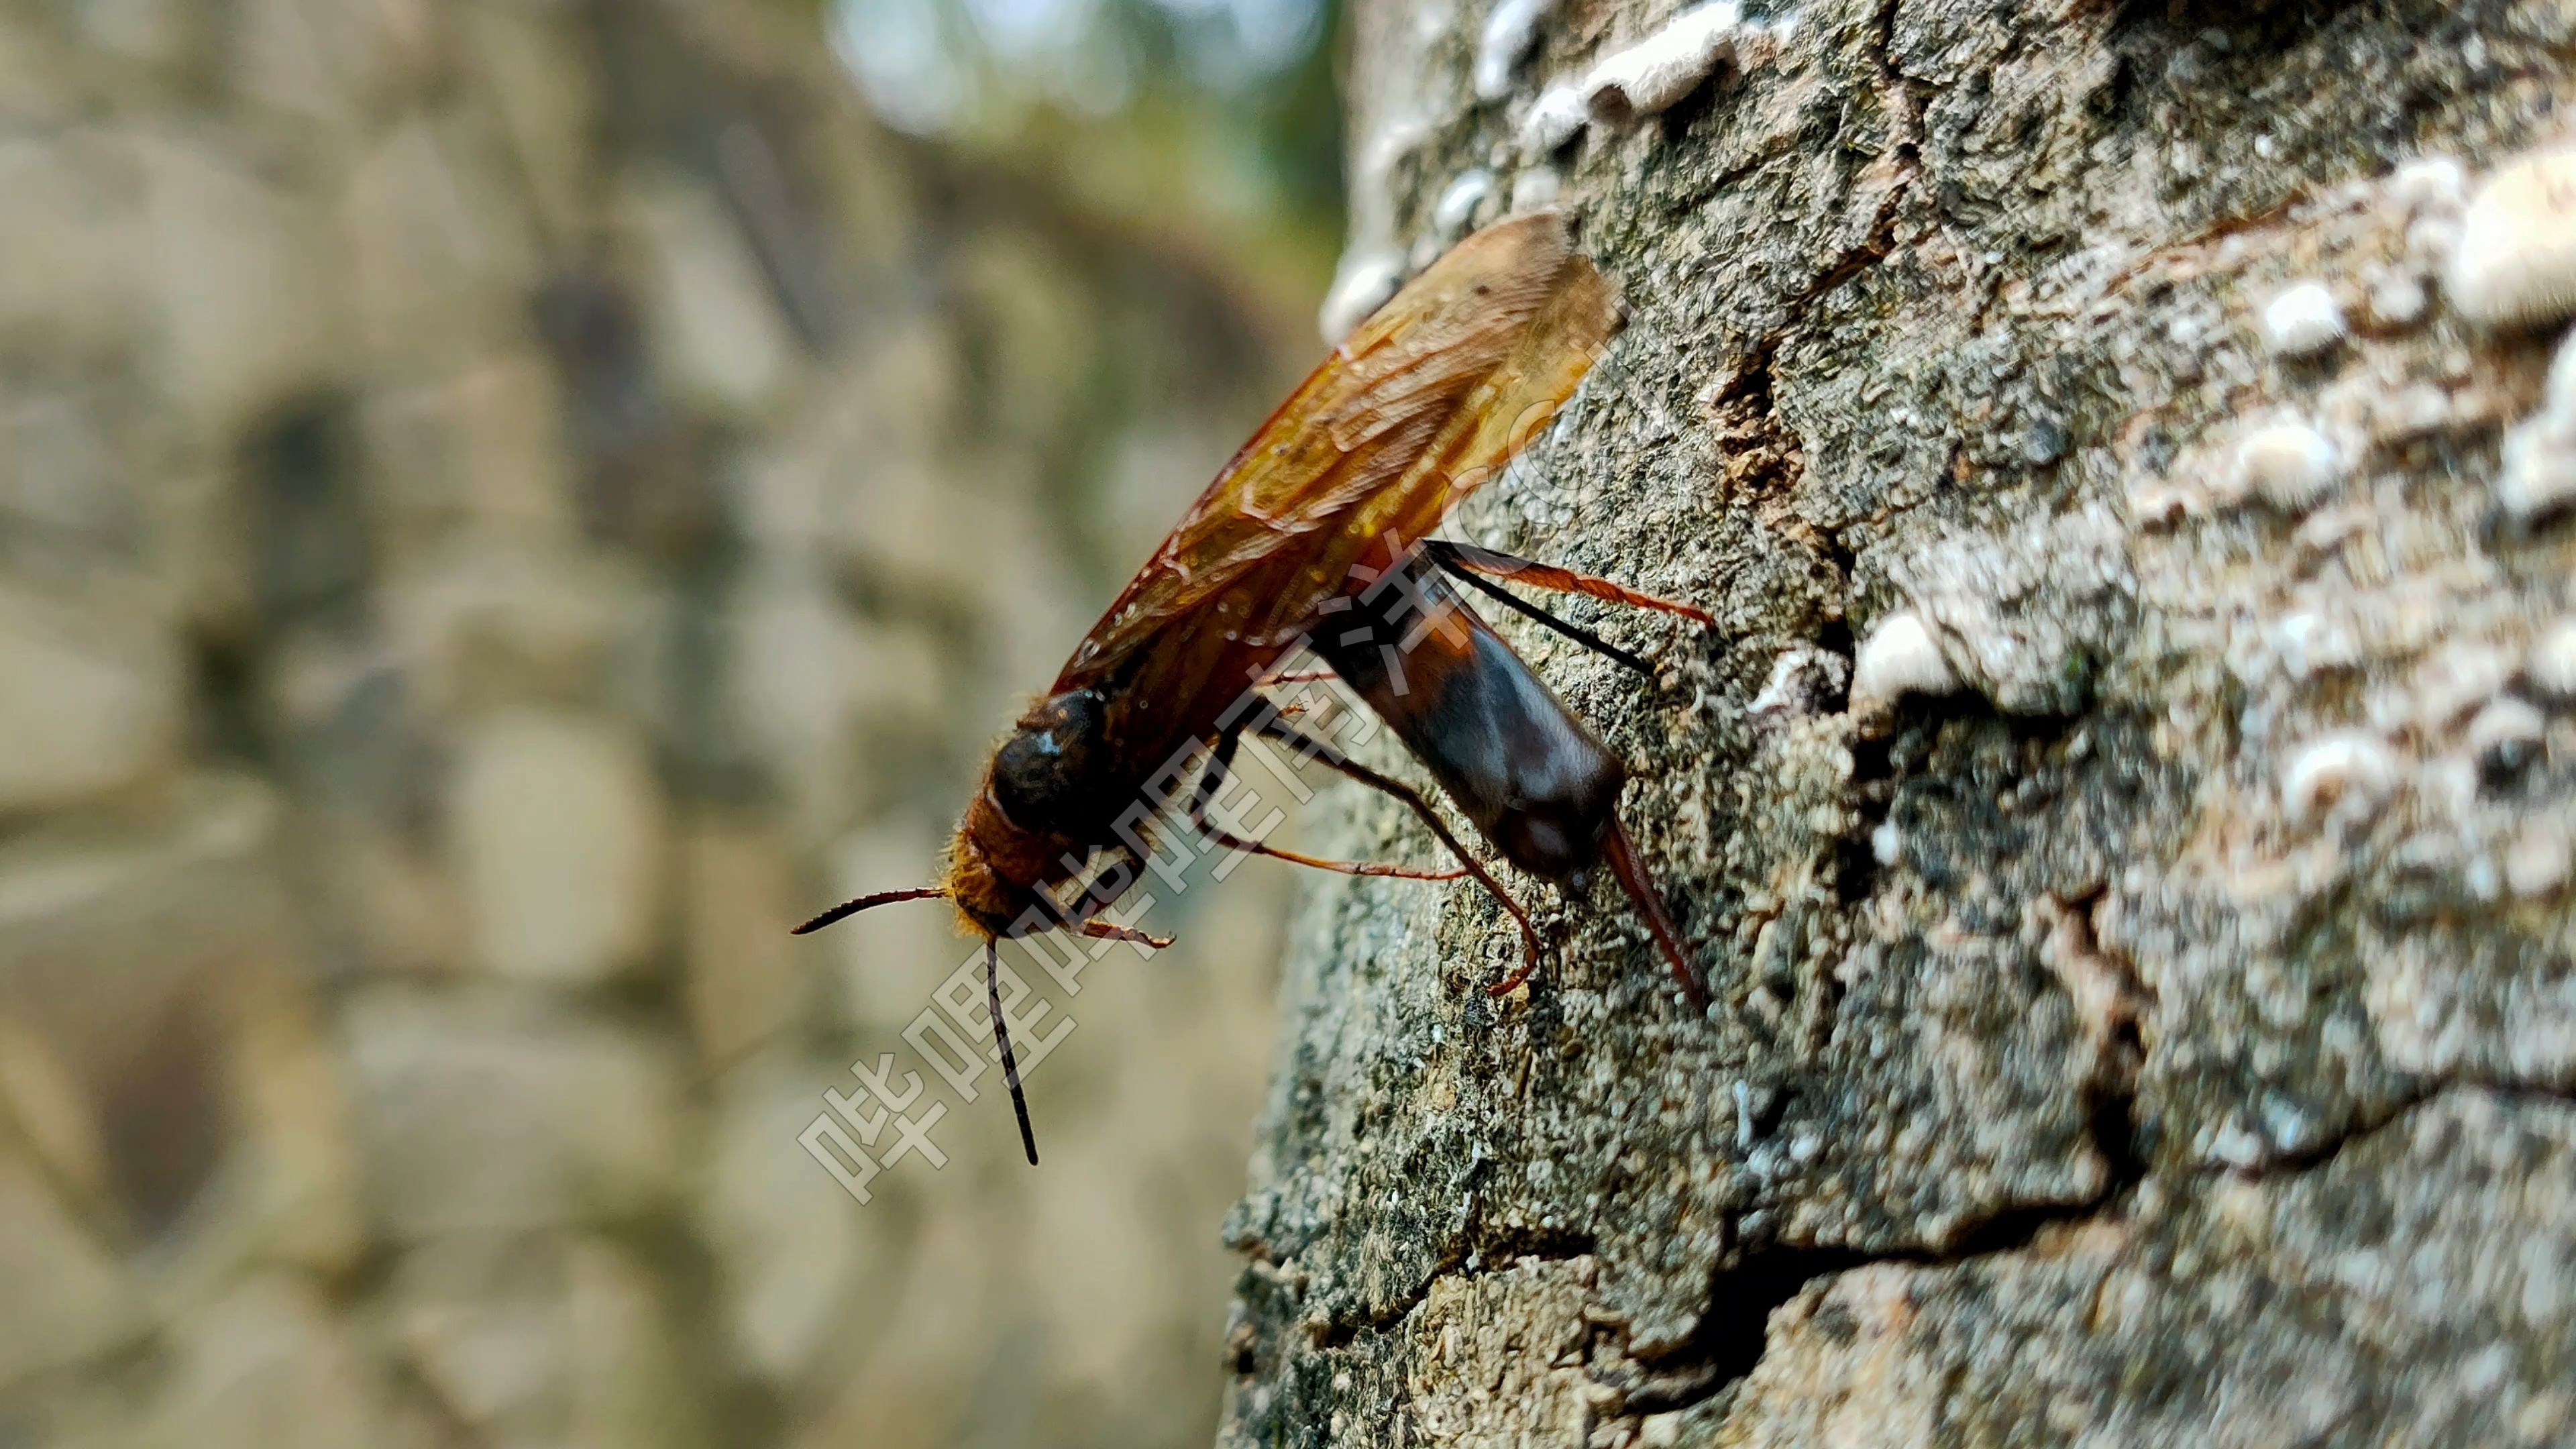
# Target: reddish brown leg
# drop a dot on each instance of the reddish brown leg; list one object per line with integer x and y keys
{"x": 1100, "y": 892}
{"x": 1622, "y": 855}
{"x": 1100, "y": 930}
{"x": 1332, "y": 758}
{"x": 1467, "y": 557}
{"x": 1214, "y": 780}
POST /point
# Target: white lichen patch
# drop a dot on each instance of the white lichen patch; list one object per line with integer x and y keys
{"x": 2301, "y": 320}
{"x": 2538, "y": 476}
{"x": 2236, "y": 1145}
{"x": 1555, "y": 119}
{"x": 2349, "y": 769}
{"x": 2451, "y": 683}
{"x": 1535, "y": 189}
{"x": 2515, "y": 263}
{"x": 1373, "y": 259}
{"x": 1457, "y": 205}
{"x": 2536, "y": 472}
{"x": 2155, "y": 503}
{"x": 1365, "y": 280}
{"x": 2430, "y": 184}
{"x": 2397, "y": 298}
{"x": 1900, "y": 657}
{"x": 2287, "y": 463}
{"x": 2024, "y": 617}
{"x": 1511, "y": 29}
{"x": 1651, "y": 76}
{"x": 2550, "y": 668}
{"x": 2536, "y": 859}
{"x": 2305, "y": 643}
{"x": 1804, "y": 682}
{"x": 2506, "y": 733}
{"x": 2418, "y": 409}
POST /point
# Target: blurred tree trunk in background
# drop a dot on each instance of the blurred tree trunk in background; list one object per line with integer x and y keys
{"x": 498, "y": 513}
{"x": 2158, "y": 1025}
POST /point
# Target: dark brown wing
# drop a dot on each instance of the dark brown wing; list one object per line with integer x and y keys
{"x": 1423, "y": 403}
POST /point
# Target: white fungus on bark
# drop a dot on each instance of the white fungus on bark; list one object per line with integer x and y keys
{"x": 2515, "y": 263}
{"x": 1535, "y": 189}
{"x": 2551, "y": 665}
{"x": 2506, "y": 732}
{"x": 2559, "y": 393}
{"x": 1373, "y": 259}
{"x": 2335, "y": 768}
{"x": 1511, "y": 28}
{"x": 1554, "y": 119}
{"x": 1900, "y": 657}
{"x": 2154, "y": 503}
{"x": 1650, "y": 76}
{"x": 2432, "y": 239}
{"x": 2538, "y": 473}
{"x": 2288, "y": 463}
{"x": 1457, "y": 205}
{"x": 2430, "y": 183}
{"x": 1803, "y": 682}
{"x": 2397, "y": 298}
{"x": 2536, "y": 469}
{"x": 2308, "y": 643}
{"x": 2416, "y": 410}
{"x": 2301, "y": 320}
{"x": 2536, "y": 862}
{"x": 1366, "y": 278}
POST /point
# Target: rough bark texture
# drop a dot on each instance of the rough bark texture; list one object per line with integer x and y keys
{"x": 2169, "y": 1034}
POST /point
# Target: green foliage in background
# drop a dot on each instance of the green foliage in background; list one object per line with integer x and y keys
{"x": 1215, "y": 119}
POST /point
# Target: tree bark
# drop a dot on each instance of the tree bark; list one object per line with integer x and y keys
{"x": 2145, "y": 1008}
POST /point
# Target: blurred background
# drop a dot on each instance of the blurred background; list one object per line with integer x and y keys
{"x": 504, "y": 506}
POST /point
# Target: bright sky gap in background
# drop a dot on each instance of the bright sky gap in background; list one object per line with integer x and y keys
{"x": 933, "y": 66}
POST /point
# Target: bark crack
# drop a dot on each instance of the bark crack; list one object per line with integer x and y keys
{"x": 1729, "y": 1344}
{"x": 2425, "y": 1092}
{"x": 1467, "y": 1255}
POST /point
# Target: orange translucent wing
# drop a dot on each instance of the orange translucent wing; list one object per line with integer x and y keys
{"x": 1425, "y": 401}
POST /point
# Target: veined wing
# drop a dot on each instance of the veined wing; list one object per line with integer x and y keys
{"x": 1425, "y": 401}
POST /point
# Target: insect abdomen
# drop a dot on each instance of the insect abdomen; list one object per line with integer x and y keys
{"x": 1539, "y": 785}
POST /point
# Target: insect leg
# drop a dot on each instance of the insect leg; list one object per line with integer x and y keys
{"x": 1213, "y": 779}
{"x": 1474, "y": 566}
{"x": 1463, "y": 559}
{"x": 1002, "y": 1039}
{"x": 1621, "y": 852}
{"x": 1100, "y": 930}
{"x": 1104, "y": 888}
{"x": 1097, "y": 894}
{"x": 1333, "y": 758}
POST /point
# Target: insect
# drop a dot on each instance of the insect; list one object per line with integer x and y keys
{"x": 1427, "y": 400}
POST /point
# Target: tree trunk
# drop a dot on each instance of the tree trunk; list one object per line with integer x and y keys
{"x": 2145, "y": 1007}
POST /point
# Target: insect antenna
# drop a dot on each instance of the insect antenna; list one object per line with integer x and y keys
{"x": 852, "y": 907}
{"x": 1448, "y": 564}
{"x": 1002, "y": 1039}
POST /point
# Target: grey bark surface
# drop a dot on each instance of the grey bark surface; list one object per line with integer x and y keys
{"x": 2166, "y": 1036}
